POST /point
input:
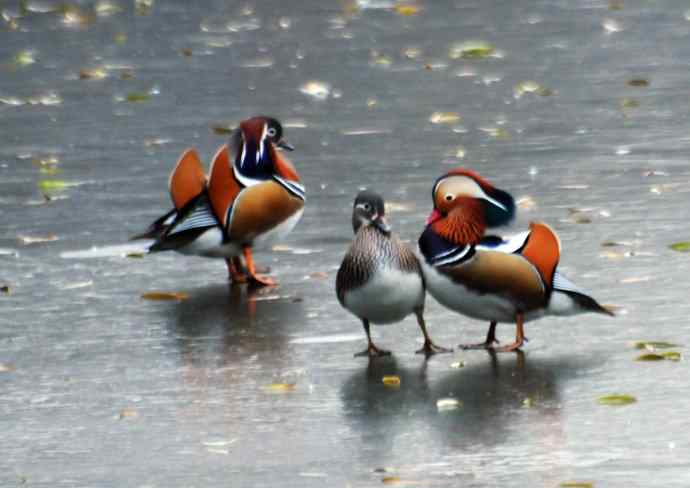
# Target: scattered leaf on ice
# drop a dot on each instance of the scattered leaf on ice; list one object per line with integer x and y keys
{"x": 528, "y": 402}
{"x": 531, "y": 87}
{"x": 611, "y": 26}
{"x": 411, "y": 52}
{"x": 653, "y": 345}
{"x": 650, "y": 356}
{"x": 48, "y": 186}
{"x": 164, "y": 295}
{"x": 471, "y": 50}
{"x": 143, "y": 7}
{"x": 5, "y": 289}
{"x": 392, "y": 381}
{"x": 73, "y": 16}
{"x": 128, "y": 413}
{"x": 316, "y": 89}
{"x": 407, "y": 9}
{"x": 106, "y": 8}
{"x": 579, "y": 216}
{"x": 616, "y": 400}
{"x": 135, "y": 255}
{"x": 223, "y": 130}
{"x": 627, "y": 103}
{"x": 6, "y": 368}
{"x": 120, "y": 38}
{"x": 28, "y": 240}
{"x": 671, "y": 355}
{"x": 576, "y": 484}
{"x": 681, "y": 246}
{"x": 638, "y": 82}
{"x": 318, "y": 275}
{"x": 14, "y": 101}
{"x": 281, "y": 387}
{"x": 92, "y": 74}
{"x": 391, "y": 480}
{"x": 457, "y": 364}
{"x": 445, "y": 118}
{"x": 446, "y": 404}
{"x": 25, "y": 57}
{"x": 497, "y": 132}
{"x": 136, "y": 97}
{"x": 526, "y": 203}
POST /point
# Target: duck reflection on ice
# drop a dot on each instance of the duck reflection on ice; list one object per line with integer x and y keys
{"x": 505, "y": 401}
{"x": 216, "y": 328}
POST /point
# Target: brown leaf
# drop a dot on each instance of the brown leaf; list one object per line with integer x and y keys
{"x": 164, "y": 295}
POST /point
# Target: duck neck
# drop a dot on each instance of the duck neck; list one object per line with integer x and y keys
{"x": 463, "y": 225}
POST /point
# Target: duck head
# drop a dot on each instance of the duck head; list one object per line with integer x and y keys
{"x": 465, "y": 205}
{"x": 255, "y": 143}
{"x": 369, "y": 209}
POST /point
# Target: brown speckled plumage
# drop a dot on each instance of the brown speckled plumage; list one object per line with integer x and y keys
{"x": 371, "y": 249}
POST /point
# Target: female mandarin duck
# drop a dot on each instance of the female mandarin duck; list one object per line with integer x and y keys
{"x": 380, "y": 280}
{"x": 251, "y": 197}
{"x": 487, "y": 277}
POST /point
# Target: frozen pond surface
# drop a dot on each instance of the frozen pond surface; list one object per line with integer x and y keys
{"x": 100, "y": 388}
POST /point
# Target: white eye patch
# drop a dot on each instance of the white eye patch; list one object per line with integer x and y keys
{"x": 465, "y": 186}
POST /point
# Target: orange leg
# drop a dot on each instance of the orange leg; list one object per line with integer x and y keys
{"x": 429, "y": 347}
{"x": 519, "y": 336}
{"x": 488, "y": 343}
{"x": 235, "y": 270}
{"x": 251, "y": 269}
{"x": 372, "y": 351}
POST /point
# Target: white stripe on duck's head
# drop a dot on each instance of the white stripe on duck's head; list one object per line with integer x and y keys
{"x": 461, "y": 186}
{"x": 255, "y": 141}
{"x": 369, "y": 209}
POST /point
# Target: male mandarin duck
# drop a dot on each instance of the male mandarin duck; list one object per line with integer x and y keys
{"x": 487, "y": 277}
{"x": 380, "y": 280}
{"x": 252, "y": 197}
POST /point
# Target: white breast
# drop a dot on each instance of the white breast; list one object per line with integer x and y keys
{"x": 459, "y": 298}
{"x": 389, "y": 296}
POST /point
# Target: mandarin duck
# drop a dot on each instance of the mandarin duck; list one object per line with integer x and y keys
{"x": 251, "y": 197}
{"x": 488, "y": 277}
{"x": 380, "y": 280}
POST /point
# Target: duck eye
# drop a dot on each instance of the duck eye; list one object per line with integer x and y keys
{"x": 271, "y": 132}
{"x": 449, "y": 197}
{"x": 367, "y": 207}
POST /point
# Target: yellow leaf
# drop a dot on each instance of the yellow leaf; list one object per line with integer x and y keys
{"x": 164, "y": 295}
{"x": 392, "y": 381}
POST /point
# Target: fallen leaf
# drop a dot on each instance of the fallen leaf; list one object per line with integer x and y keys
{"x": 143, "y": 7}
{"x": 472, "y": 50}
{"x": 25, "y": 57}
{"x": 5, "y": 289}
{"x": 407, "y": 9}
{"x": 164, "y": 295}
{"x": 446, "y": 404}
{"x": 653, "y": 345}
{"x": 531, "y": 87}
{"x": 128, "y": 413}
{"x": 28, "y": 240}
{"x": 672, "y": 355}
{"x": 318, "y": 275}
{"x": 616, "y": 400}
{"x": 135, "y": 255}
{"x": 186, "y": 51}
{"x": 638, "y": 82}
{"x": 445, "y": 118}
{"x": 281, "y": 387}
{"x": 48, "y": 186}
{"x": 222, "y": 129}
{"x": 457, "y": 364}
{"x": 576, "y": 484}
{"x": 392, "y": 381}
{"x": 316, "y": 89}
{"x": 6, "y": 368}
{"x": 137, "y": 97}
{"x": 528, "y": 402}
{"x": 681, "y": 246}
{"x": 650, "y": 356}
{"x": 92, "y": 74}
{"x": 391, "y": 480}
